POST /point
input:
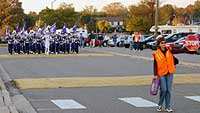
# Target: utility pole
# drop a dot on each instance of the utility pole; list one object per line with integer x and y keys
{"x": 156, "y": 17}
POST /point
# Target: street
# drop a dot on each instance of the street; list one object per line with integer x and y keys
{"x": 106, "y": 99}
{"x": 103, "y": 56}
{"x": 116, "y": 97}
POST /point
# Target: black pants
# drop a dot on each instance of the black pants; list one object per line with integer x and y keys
{"x": 10, "y": 48}
{"x": 67, "y": 45}
{"x": 27, "y": 48}
{"x": 17, "y": 48}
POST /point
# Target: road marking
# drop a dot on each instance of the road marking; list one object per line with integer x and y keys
{"x": 187, "y": 64}
{"x": 77, "y": 82}
{"x": 195, "y": 98}
{"x": 68, "y": 104}
{"x": 138, "y": 102}
{"x": 48, "y": 109}
{"x": 55, "y": 55}
{"x": 3, "y": 45}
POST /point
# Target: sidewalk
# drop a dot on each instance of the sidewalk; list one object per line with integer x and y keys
{"x": 6, "y": 105}
{"x": 16, "y": 103}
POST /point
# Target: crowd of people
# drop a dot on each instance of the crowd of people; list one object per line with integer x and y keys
{"x": 43, "y": 41}
{"x": 47, "y": 40}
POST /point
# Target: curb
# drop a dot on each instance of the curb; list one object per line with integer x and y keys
{"x": 55, "y": 55}
{"x": 80, "y": 82}
{"x": 187, "y": 64}
{"x": 12, "y": 104}
{"x": 22, "y": 104}
{"x": 6, "y": 106}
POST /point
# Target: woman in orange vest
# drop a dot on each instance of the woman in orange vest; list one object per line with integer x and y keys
{"x": 164, "y": 67}
{"x": 136, "y": 40}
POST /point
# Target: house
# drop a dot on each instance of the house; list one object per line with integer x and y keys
{"x": 117, "y": 23}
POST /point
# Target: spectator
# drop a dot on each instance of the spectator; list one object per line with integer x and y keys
{"x": 82, "y": 44}
{"x": 136, "y": 40}
{"x": 107, "y": 38}
{"x": 115, "y": 40}
{"x": 100, "y": 39}
{"x": 92, "y": 39}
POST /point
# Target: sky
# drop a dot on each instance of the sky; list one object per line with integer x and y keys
{"x": 38, "y": 5}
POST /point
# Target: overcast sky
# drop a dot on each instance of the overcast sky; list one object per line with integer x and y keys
{"x": 38, "y": 5}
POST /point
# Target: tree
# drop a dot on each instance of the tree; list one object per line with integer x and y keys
{"x": 141, "y": 17}
{"x": 103, "y": 25}
{"x": 64, "y": 14}
{"x": 115, "y": 9}
{"x": 167, "y": 14}
{"x": 31, "y": 19}
{"x": 47, "y": 15}
{"x": 138, "y": 23}
{"x": 11, "y": 13}
{"x": 89, "y": 10}
{"x": 190, "y": 9}
{"x": 197, "y": 9}
{"x": 88, "y": 17}
{"x": 183, "y": 15}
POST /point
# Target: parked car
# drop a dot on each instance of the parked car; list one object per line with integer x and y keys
{"x": 150, "y": 41}
{"x": 128, "y": 39}
{"x": 171, "y": 38}
{"x": 146, "y": 42}
{"x": 198, "y": 36}
{"x": 181, "y": 44}
{"x": 87, "y": 41}
{"x": 122, "y": 39}
{"x": 146, "y": 36}
{"x": 111, "y": 42}
{"x": 178, "y": 45}
{"x": 106, "y": 38}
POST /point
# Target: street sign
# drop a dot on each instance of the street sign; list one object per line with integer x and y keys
{"x": 192, "y": 43}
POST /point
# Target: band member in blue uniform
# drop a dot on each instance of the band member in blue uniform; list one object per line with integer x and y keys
{"x": 16, "y": 43}
{"x": 10, "y": 44}
{"x": 67, "y": 43}
{"x": 76, "y": 45}
{"x": 27, "y": 42}
{"x": 57, "y": 44}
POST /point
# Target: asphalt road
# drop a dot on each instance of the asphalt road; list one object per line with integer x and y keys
{"x": 192, "y": 58}
{"x": 86, "y": 66}
{"x": 106, "y": 99}
{"x": 102, "y": 99}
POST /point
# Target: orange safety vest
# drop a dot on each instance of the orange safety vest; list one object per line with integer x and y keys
{"x": 165, "y": 64}
{"x": 137, "y": 38}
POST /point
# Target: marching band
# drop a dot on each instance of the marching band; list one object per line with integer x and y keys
{"x": 43, "y": 41}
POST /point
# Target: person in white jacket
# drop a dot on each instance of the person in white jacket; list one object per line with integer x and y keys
{"x": 47, "y": 38}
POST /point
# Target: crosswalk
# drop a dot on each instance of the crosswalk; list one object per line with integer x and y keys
{"x": 195, "y": 98}
{"x": 68, "y": 104}
{"x": 138, "y": 102}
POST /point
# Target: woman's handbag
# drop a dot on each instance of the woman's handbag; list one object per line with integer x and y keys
{"x": 155, "y": 86}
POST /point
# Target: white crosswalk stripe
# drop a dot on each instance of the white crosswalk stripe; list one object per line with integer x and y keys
{"x": 135, "y": 101}
{"x": 68, "y": 104}
{"x": 195, "y": 98}
{"x": 138, "y": 102}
